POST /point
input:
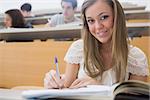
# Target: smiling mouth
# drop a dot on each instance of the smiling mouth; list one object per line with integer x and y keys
{"x": 102, "y": 34}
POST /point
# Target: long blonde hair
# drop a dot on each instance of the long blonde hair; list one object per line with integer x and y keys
{"x": 92, "y": 57}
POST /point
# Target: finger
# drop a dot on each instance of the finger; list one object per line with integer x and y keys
{"x": 46, "y": 84}
{"x": 57, "y": 80}
{"x": 81, "y": 84}
{"x": 53, "y": 81}
{"x": 77, "y": 81}
{"x": 49, "y": 78}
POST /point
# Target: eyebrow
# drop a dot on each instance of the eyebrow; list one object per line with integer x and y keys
{"x": 98, "y": 14}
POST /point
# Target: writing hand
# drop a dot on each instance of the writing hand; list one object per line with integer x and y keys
{"x": 51, "y": 80}
{"x": 82, "y": 82}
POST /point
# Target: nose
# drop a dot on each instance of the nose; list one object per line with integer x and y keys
{"x": 64, "y": 11}
{"x": 98, "y": 25}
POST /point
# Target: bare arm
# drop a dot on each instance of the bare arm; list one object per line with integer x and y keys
{"x": 71, "y": 74}
{"x": 140, "y": 78}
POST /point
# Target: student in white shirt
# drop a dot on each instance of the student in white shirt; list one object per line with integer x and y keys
{"x": 104, "y": 56}
{"x": 68, "y": 16}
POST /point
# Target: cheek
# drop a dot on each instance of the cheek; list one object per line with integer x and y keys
{"x": 110, "y": 23}
{"x": 91, "y": 29}
{"x": 8, "y": 23}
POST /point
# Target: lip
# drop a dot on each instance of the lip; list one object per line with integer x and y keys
{"x": 102, "y": 33}
{"x": 65, "y": 14}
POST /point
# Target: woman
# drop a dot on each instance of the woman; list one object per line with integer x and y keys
{"x": 14, "y": 19}
{"x": 104, "y": 52}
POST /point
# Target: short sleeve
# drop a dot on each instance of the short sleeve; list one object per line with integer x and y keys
{"x": 137, "y": 62}
{"x": 56, "y": 20}
{"x": 74, "y": 54}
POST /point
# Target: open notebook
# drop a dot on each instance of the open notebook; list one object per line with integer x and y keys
{"x": 90, "y": 90}
{"x": 129, "y": 90}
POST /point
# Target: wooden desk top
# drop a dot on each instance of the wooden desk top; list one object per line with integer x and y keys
{"x": 41, "y": 33}
{"x": 138, "y": 25}
{"x": 8, "y": 94}
{"x": 61, "y": 32}
{"x": 130, "y": 14}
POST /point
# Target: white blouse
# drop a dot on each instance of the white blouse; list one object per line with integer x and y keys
{"x": 137, "y": 62}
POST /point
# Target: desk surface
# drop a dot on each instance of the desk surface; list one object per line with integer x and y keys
{"x": 41, "y": 33}
{"x": 62, "y": 32}
{"x": 7, "y": 94}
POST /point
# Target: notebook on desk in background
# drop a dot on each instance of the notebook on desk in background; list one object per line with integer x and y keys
{"x": 130, "y": 90}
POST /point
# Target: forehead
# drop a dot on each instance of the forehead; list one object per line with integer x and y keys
{"x": 98, "y": 7}
{"x": 67, "y": 4}
{"x": 7, "y": 16}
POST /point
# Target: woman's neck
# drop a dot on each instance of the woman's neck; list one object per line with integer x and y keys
{"x": 106, "y": 47}
{"x": 106, "y": 55}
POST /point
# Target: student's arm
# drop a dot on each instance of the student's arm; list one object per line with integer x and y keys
{"x": 84, "y": 81}
{"x": 137, "y": 65}
{"x": 51, "y": 80}
{"x": 71, "y": 74}
{"x": 141, "y": 78}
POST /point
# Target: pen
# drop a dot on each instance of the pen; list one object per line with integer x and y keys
{"x": 57, "y": 68}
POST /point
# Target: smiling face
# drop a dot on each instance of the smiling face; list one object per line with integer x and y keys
{"x": 7, "y": 21}
{"x": 99, "y": 17}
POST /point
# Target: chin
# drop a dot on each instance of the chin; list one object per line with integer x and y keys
{"x": 103, "y": 40}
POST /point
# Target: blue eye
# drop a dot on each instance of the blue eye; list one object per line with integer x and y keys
{"x": 104, "y": 17}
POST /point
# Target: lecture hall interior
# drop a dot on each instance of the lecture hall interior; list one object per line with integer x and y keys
{"x": 27, "y": 54}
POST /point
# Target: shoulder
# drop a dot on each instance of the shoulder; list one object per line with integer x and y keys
{"x": 136, "y": 53}
{"x": 75, "y": 52}
{"x": 77, "y": 44}
{"x": 56, "y": 20}
{"x": 137, "y": 61}
{"x": 57, "y": 16}
{"x": 76, "y": 47}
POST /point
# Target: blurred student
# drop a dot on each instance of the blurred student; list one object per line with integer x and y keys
{"x": 26, "y": 9}
{"x": 14, "y": 19}
{"x": 68, "y": 16}
{"x": 104, "y": 55}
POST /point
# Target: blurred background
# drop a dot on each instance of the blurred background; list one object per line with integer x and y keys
{"x": 50, "y": 4}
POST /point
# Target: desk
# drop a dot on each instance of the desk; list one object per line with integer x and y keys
{"x": 137, "y": 14}
{"x": 138, "y": 29}
{"x": 25, "y": 63}
{"x": 7, "y": 94}
{"x": 130, "y": 14}
{"x": 62, "y": 32}
{"x": 40, "y": 33}
{"x": 134, "y": 7}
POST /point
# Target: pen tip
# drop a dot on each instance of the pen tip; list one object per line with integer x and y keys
{"x": 56, "y": 61}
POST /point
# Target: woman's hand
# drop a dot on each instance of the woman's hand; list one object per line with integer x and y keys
{"x": 51, "y": 80}
{"x": 82, "y": 82}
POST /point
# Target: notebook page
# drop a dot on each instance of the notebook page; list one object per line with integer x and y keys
{"x": 51, "y": 93}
